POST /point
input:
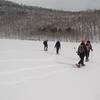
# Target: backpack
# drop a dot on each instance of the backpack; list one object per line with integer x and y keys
{"x": 80, "y": 49}
{"x": 57, "y": 44}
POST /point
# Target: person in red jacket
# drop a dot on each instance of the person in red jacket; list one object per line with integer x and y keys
{"x": 89, "y": 47}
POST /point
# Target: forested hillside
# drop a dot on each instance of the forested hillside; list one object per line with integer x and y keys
{"x": 27, "y": 22}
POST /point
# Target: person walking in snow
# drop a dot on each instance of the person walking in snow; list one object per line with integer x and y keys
{"x": 45, "y": 43}
{"x": 81, "y": 53}
{"x": 57, "y": 46}
{"x": 89, "y": 47}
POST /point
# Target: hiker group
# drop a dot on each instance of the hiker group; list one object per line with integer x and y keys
{"x": 83, "y": 50}
{"x": 57, "y": 46}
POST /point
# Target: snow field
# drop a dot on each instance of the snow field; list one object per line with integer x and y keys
{"x": 29, "y": 73}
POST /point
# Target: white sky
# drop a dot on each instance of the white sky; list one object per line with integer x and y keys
{"x": 71, "y": 5}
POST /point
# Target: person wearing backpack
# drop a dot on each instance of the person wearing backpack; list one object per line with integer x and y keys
{"x": 45, "y": 45}
{"x": 57, "y": 46}
{"x": 81, "y": 53}
{"x": 89, "y": 47}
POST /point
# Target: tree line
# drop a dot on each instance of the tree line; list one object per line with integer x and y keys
{"x": 27, "y": 22}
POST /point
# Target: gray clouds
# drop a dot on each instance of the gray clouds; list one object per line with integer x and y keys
{"x": 71, "y": 5}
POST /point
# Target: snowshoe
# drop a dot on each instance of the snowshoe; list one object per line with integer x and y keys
{"x": 77, "y": 65}
{"x": 82, "y": 64}
{"x": 86, "y": 60}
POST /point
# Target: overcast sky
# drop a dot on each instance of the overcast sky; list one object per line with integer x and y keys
{"x": 67, "y": 5}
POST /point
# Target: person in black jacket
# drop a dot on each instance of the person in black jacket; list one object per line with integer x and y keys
{"x": 89, "y": 47}
{"x": 45, "y": 45}
{"x": 57, "y": 46}
{"x": 81, "y": 52}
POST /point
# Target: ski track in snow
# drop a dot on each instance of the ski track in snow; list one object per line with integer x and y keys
{"x": 51, "y": 63}
{"x": 25, "y": 79}
{"x": 25, "y": 71}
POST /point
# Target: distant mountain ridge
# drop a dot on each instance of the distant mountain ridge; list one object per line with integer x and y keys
{"x": 11, "y": 8}
{"x": 29, "y": 22}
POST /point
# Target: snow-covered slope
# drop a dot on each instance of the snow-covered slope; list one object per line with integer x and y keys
{"x": 29, "y": 73}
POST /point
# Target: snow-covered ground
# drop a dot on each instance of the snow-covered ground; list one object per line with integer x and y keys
{"x": 29, "y": 73}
